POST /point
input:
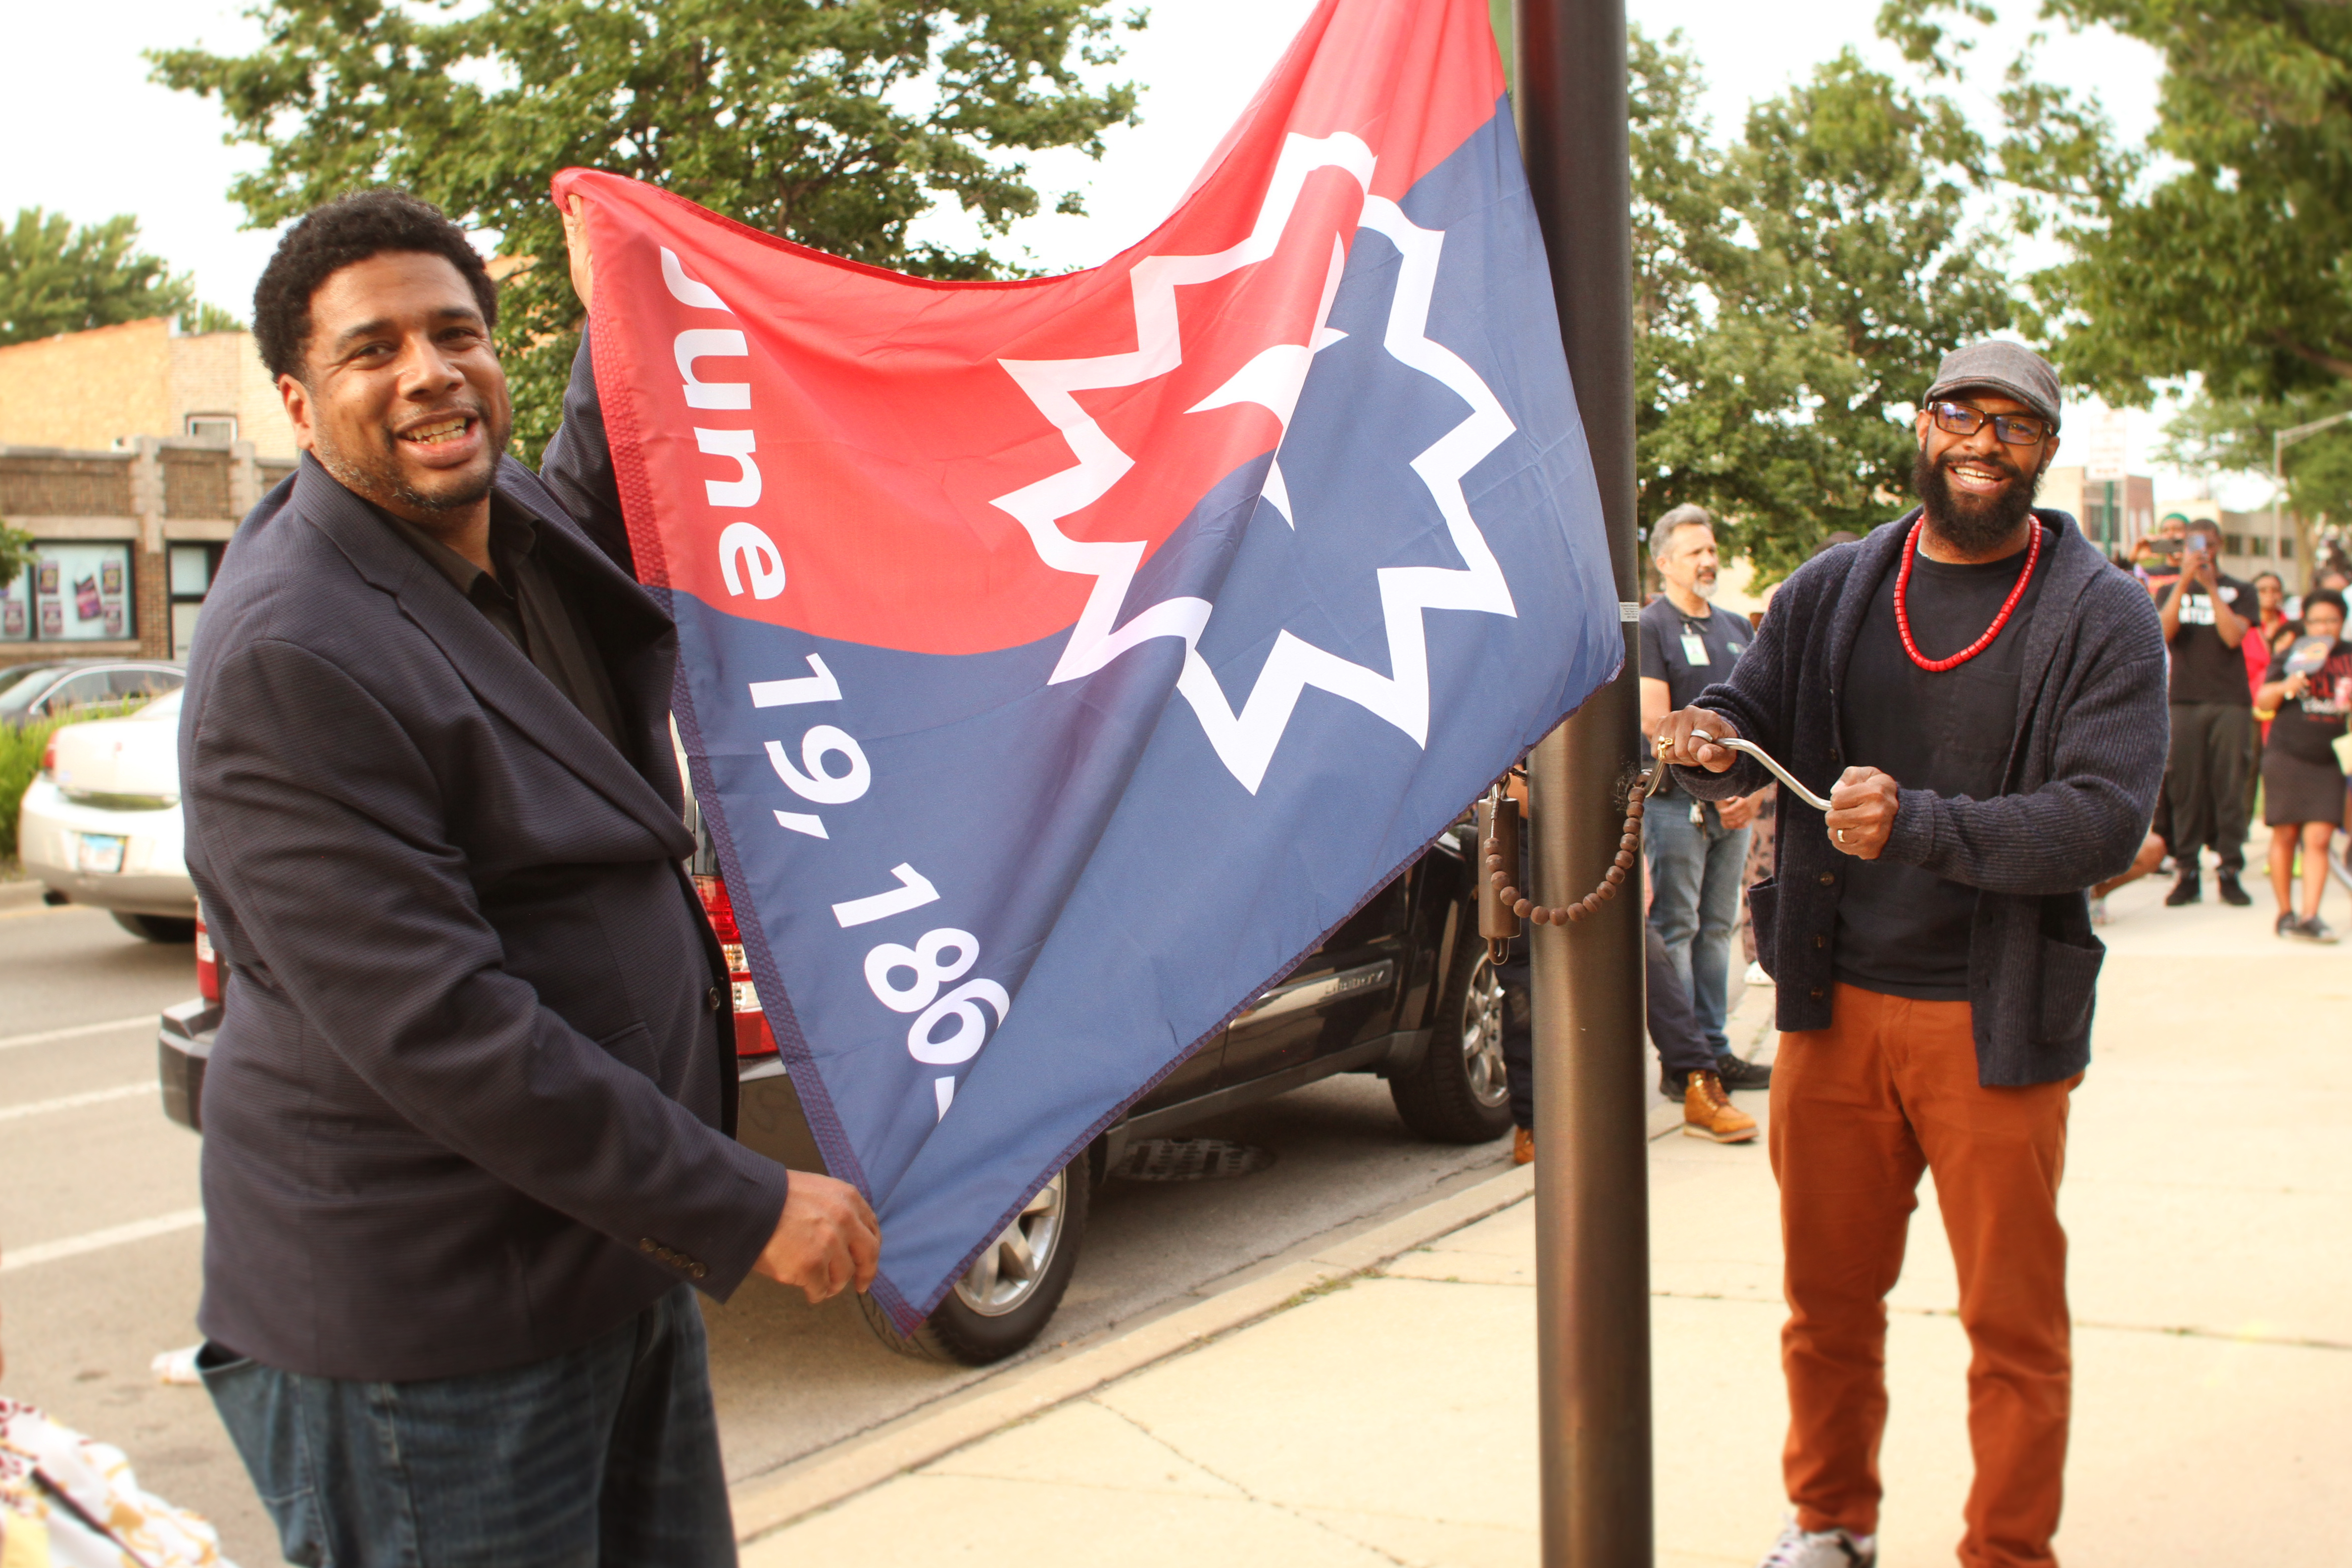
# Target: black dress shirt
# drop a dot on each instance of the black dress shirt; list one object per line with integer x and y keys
{"x": 530, "y": 605}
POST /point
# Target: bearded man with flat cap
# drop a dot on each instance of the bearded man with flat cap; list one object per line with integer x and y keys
{"x": 1984, "y": 698}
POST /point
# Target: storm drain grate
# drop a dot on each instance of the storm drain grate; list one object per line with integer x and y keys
{"x": 1189, "y": 1160}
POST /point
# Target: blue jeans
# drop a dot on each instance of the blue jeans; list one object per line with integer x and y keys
{"x": 604, "y": 1456}
{"x": 1696, "y": 870}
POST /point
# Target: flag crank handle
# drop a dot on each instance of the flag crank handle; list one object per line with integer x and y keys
{"x": 1500, "y": 875}
{"x": 1777, "y": 771}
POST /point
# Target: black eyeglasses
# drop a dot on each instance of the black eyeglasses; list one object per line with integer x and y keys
{"x": 2010, "y": 429}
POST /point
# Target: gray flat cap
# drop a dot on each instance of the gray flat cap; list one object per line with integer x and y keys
{"x": 2010, "y": 369}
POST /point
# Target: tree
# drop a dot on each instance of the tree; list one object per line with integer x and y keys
{"x": 15, "y": 552}
{"x": 2233, "y": 435}
{"x": 2224, "y": 247}
{"x": 1794, "y": 294}
{"x": 835, "y": 122}
{"x": 54, "y": 278}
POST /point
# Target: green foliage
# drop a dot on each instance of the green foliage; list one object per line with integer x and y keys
{"x": 835, "y": 122}
{"x": 2224, "y": 248}
{"x": 20, "y": 760}
{"x": 54, "y": 278}
{"x": 2233, "y": 435}
{"x": 15, "y": 552}
{"x": 1793, "y": 295}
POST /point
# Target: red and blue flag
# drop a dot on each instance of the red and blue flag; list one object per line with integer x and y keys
{"x": 1062, "y": 658}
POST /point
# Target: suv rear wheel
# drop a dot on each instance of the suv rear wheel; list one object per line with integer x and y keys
{"x": 1003, "y": 1301}
{"x": 1459, "y": 1094}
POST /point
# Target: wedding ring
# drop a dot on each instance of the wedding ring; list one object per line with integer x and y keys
{"x": 1841, "y": 833}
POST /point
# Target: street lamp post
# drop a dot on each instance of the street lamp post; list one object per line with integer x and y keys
{"x": 1592, "y": 1264}
{"x": 2279, "y": 444}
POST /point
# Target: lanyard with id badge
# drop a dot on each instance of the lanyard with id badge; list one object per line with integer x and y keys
{"x": 1696, "y": 656}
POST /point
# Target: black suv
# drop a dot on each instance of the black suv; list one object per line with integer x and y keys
{"x": 1403, "y": 990}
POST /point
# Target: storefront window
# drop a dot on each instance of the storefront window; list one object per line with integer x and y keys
{"x": 191, "y": 573}
{"x": 71, "y": 592}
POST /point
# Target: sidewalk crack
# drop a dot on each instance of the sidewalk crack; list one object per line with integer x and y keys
{"x": 1251, "y": 1494}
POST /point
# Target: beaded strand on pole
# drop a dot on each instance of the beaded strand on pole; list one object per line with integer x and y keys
{"x": 1628, "y": 846}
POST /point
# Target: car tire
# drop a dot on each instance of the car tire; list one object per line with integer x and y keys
{"x": 987, "y": 1316}
{"x": 158, "y": 927}
{"x": 1458, "y": 1093}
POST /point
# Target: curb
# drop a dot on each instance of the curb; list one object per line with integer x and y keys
{"x": 836, "y": 1474}
{"x": 24, "y": 893}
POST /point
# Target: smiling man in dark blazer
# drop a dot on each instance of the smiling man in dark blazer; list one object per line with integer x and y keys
{"x": 467, "y": 1152}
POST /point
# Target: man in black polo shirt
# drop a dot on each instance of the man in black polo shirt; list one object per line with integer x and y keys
{"x": 1696, "y": 850}
{"x": 2206, "y": 617}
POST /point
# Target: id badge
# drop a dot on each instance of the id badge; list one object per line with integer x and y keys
{"x": 1695, "y": 650}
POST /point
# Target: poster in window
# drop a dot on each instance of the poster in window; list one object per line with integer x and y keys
{"x": 14, "y": 627}
{"x": 81, "y": 592}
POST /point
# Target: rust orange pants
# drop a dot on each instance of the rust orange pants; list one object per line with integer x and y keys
{"x": 1859, "y": 1109}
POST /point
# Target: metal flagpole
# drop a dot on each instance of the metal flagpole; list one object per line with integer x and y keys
{"x": 1592, "y": 1265}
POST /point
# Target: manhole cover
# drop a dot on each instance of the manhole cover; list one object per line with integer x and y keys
{"x": 1189, "y": 1160}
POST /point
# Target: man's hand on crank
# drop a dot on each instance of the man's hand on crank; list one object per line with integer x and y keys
{"x": 1675, "y": 743}
{"x": 1862, "y": 812}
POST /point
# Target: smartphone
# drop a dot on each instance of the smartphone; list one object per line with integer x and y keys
{"x": 2166, "y": 546}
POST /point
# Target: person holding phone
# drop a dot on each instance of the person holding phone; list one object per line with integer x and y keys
{"x": 2309, "y": 684}
{"x": 2206, "y": 615}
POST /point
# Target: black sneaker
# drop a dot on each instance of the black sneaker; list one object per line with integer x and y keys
{"x": 1736, "y": 1073}
{"x": 2288, "y": 926}
{"x": 2187, "y": 890}
{"x": 2314, "y": 929}
{"x": 2232, "y": 894}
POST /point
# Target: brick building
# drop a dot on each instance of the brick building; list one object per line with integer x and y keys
{"x": 128, "y": 453}
{"x": 91, "y": 391}
{"x": 126, "y": 543}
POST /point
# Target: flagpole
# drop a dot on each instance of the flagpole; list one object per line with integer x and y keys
{"x": 1592, "y": 1263}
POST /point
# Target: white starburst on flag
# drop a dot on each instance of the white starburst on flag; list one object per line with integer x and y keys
{"x": 1246, "y": 740}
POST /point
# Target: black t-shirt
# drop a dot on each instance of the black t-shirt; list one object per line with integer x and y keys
{"x": 2306, "y": 726}
{"x": 2204, "y": 668}
{"x": 1902, "y": 930}
{"x": 1690, "y": 653}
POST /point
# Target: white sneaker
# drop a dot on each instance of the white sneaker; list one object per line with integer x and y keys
{"x": 1756, "y": 975}
{"x": 1821, "y": 1549}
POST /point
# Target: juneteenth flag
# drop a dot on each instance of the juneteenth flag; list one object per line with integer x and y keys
{"x": 1062, "y": 660}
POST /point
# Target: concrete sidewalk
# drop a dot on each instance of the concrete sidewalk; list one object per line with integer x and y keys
{"x": 1384, "y": 1413}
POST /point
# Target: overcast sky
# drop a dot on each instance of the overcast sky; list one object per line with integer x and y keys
{"x": 98, "y": 138}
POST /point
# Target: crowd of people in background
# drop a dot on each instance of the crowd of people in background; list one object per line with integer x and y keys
{"x": 2261, "y": 686}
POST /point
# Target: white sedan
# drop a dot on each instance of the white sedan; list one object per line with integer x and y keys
{"x": 100, "y": 822}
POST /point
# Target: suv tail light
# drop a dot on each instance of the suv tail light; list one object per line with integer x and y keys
{"x": 207, "y": 964}
{"x": 752, "y": 1036}
{"x": 49, "y": 758}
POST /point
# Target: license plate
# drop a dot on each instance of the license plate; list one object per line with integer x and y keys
{"x": 99, "y": 852}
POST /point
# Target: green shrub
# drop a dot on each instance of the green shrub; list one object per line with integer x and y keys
{"x": 20, "y": 758}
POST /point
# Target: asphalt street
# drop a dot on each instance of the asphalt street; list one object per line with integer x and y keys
{"x": 100, "y": 1237}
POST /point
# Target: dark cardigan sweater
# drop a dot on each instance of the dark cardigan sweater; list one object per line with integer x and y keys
{"x": 2080, "y": 786}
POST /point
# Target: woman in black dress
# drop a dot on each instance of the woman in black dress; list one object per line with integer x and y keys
{"x": 2310, "y": 685}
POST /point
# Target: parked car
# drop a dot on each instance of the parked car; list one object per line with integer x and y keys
{"x": 1402, "y": 990}
{"x": 29, "y": 691}
{"x": 100, "y": 822}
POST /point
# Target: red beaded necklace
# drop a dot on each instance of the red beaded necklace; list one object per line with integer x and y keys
{"x": 1903, "y": 617}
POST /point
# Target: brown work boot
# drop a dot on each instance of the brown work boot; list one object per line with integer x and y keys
{"x": 1523, "y": 1146}
{"x": 1707, "y": 1112}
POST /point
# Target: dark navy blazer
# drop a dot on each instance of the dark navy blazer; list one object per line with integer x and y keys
{"x": 468, "y": 1104}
